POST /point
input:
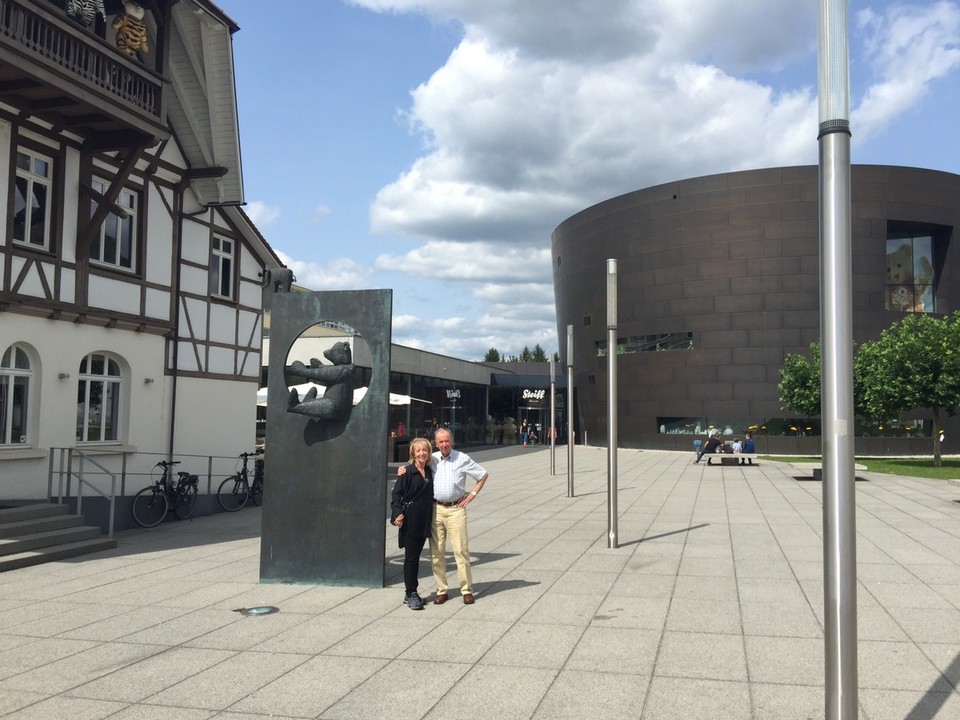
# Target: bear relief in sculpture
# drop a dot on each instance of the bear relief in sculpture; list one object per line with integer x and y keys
{"x": 338, "y": 378}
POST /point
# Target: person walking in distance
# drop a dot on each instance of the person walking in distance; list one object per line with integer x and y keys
{"x": 451, "y": 468}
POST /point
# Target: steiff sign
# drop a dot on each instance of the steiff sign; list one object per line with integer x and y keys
{"x": 534, "y": 397}
{"x": 326, "y": 458}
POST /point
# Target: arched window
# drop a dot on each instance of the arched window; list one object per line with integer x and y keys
{"x": 16, "y": 376}
{"x": 98, "y": 399}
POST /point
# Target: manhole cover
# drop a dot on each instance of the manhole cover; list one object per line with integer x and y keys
{"x": 261, "y": 610}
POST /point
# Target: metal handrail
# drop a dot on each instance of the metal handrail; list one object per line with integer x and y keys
{"x": 68, "y": 473}
{"x": 61, "y": 465}
{"x": 81, "y": 482}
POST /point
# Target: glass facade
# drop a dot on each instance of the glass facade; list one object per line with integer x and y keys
{"x": 789, "y": 427}
{"x": 527, "y": 401}
{"x": 649, "y": 343}
{"x": 435, "y": 403}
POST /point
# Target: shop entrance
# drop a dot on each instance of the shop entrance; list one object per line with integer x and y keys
{"x": 537, "y": 418}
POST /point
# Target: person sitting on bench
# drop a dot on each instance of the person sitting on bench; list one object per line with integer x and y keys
{"x": 710, "y": 446}
{"x": 749, "y": 447}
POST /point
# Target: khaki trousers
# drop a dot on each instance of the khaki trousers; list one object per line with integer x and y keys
{"x": 450, "y": 522}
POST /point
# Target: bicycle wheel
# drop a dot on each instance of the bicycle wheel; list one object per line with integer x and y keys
{"x": 149, "y": 507}
{"x": 186, "y": 498}
{"x": 232, "y": 494}
{"x": 256, "y": 492}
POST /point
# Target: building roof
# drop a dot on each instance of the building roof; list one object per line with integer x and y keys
{"x": 202, "y": 109}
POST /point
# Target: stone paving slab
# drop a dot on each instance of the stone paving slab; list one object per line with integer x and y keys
{"x": 710, "y": 607}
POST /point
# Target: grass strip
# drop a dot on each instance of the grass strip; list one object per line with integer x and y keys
{"x": 911, "y": 467}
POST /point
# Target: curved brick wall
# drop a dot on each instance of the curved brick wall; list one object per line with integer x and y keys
{"x": 733, "y": 259}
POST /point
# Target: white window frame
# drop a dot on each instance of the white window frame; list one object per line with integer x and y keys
{"x": 102, "y": 426}
{"x": 32, "y": 179}
{"x": 9, "y": 375}
{"x": 129, "y": 201}
{"x": 223, "y": 262}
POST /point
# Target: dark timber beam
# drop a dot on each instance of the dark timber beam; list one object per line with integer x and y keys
{"x": 105, "y": 207}
{"x": 99, "y": 198}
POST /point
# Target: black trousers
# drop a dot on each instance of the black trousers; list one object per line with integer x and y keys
{"x": 412, "y": 548}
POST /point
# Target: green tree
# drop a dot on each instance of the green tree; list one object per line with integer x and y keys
{"x": 915, "y": 364}
{"x": 800, "y": 380}
{"x": 538, "y": 354}
{"x": 525, "y": 354}
{"x": 493, "y": 355}
{"x": 800, "y": 383}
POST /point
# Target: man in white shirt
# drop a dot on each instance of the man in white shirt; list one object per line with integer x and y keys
{"x": 450, "y": 496}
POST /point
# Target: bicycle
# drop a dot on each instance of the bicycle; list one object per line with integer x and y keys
{"x": 234, "y": 492}
{"x": 151, "y": 505}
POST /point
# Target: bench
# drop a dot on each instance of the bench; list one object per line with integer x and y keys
{"x": 817, "y": 470}
{"x": 730, "y": 458}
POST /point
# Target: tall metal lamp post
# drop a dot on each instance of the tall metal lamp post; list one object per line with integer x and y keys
{"x": 839, "y": 509}
{"x": 570, "y": 437}
{"x": 612, "y": 438}
{"x": 553, "y": 416}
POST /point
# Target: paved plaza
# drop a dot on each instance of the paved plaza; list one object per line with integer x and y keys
{"x": 711, "y": 607}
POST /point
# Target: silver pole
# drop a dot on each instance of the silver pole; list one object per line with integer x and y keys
{"x": 570, "y": 437}
{"x": 612, "y": 403}
{"x": 553, "y": 417}
{"x": 836, "y": 323}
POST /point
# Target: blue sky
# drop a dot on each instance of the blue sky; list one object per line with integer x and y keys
{"x": 431, "y": 146}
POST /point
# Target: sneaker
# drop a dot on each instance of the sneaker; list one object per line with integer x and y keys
{"x": 414, "y": 601}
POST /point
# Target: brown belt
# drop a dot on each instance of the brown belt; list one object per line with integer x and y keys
{"x": 448, "y": 504}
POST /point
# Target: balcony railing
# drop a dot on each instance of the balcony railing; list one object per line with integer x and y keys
{"x": 58, "y": 44}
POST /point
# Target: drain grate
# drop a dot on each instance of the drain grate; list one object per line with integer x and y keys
{"x": 261, "y": 610}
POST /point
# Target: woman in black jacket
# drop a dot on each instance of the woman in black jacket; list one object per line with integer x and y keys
{"x": 412, "y": 512}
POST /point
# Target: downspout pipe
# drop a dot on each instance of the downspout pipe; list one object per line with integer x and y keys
{"x": 175, "y": 350}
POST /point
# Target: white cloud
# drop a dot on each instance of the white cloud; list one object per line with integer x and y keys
{"x": 546, "y": 108}
{"x": 518, "y": 145}
{"x": 320, "y": 213}
{"x": 461, "y": 261}
{"x": 261, "y": 214}
{"x": 338, "y": 274}
{"x": 908, "y": 48}
{"x": 517, "y": 315}
{"x": 403, "y": 323}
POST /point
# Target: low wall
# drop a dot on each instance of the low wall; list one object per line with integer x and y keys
{"x": 784, "y": 445}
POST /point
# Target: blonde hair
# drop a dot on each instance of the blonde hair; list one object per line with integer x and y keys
{"x": 414, "y": 444}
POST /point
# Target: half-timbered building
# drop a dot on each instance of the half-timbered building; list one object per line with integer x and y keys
{"x": 131, "y": 291}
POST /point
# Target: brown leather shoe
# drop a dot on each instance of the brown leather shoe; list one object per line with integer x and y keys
{"x": 440, "y": 599}
{"x": 468, "y": 599}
